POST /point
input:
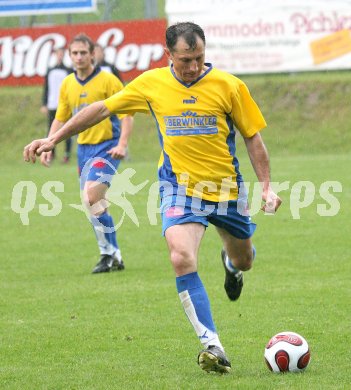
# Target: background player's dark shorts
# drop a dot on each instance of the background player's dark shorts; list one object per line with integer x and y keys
{"x": 178, "y": 209}
{"x": 95, "y": 164}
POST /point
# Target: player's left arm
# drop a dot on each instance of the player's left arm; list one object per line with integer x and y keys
{"x": 120, "y": 151}
{"x": 260, "y": 161}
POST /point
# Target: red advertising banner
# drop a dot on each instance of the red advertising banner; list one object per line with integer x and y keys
{"x": 132, "y": 46}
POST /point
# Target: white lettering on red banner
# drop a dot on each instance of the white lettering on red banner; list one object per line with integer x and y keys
{"x": 25, "y": 58}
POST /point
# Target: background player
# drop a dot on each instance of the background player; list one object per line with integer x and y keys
{"x": 197, "y": 109}
{"x": 102, "y": 146}
{"x": 104, "y": 65}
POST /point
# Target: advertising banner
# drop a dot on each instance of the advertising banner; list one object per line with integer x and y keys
{"x": 133, "y": 47}
{"x": 40, "y": 7}
{"x": 253, "y": 36}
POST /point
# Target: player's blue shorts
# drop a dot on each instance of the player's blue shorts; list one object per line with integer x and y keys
{"x": 179, "y": 209}
{"x": 94, "y": 164}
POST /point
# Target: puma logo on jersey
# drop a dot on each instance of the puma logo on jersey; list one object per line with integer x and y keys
{"x": 192, "y": 100}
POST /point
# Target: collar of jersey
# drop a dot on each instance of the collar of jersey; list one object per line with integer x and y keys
{"x": 195, "y": 81}
{"x": 83, "y": 82}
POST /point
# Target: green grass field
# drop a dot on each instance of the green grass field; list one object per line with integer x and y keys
{"x": 63, "y": 328}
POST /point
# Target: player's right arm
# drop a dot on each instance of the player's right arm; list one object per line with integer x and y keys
{"x": 84, "y": 119}
{"x": 128, "y": 101}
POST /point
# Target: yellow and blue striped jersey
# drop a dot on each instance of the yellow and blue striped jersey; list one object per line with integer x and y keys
{"x": 75, "y": 94}
{"x": 197, "y": 125}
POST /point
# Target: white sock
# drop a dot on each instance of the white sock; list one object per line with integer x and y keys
{"x": 118, "y": 254}
{"x": 229, "y": 265}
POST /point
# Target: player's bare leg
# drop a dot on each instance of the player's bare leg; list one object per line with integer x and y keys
{"x": 237, "y": 256}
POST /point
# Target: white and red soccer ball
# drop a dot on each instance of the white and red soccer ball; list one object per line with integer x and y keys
{"x": 287, "y": 352}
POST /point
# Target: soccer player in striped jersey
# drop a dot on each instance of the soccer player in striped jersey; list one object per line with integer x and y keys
{"x": 197, "y": 109}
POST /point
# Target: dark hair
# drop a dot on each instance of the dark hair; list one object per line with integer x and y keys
{"x": 187, "y": 30}
{"x": 85, "y": 39}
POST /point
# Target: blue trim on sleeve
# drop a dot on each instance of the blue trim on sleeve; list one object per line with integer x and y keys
{"x": 232, "y": 148}
{"x": 116, "y": 127}
{"x": 157, "y": 125}
{"x": 165, "y": 172}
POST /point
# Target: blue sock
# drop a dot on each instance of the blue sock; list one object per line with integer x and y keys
{"x": 105, "y": 233}
{"x": 197, "y": 308}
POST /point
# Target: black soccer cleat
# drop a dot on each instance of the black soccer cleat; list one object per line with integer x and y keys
{"x": 117, "y": 264}
{"x": 108, "y": 263}
{"x": 234, "y": 281}
{"x": 214, "y": 359}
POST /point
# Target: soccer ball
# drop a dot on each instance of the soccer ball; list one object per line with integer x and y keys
{"x": 287, "y": 351}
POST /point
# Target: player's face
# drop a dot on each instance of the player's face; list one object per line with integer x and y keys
{"x": 188, "y": 64}
{"x": 80, "y": 55}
